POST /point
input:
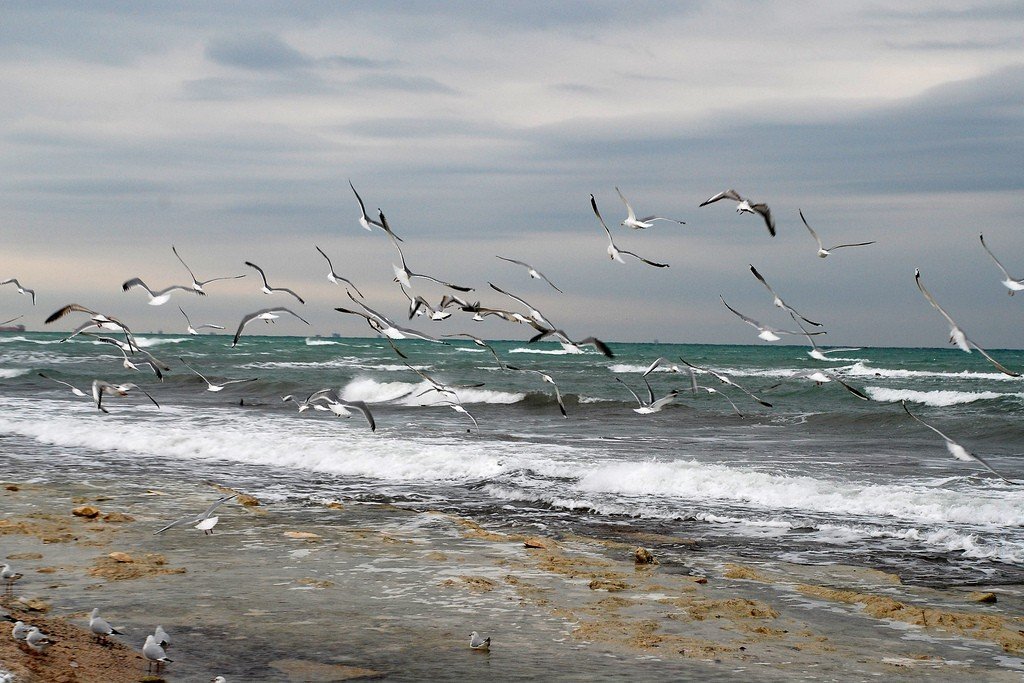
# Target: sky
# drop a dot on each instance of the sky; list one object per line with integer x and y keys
{"x": 232, "y": 129}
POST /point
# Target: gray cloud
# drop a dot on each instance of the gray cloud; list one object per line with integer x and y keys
{"x": 261, "y": 52}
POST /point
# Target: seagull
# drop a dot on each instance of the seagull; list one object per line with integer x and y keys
{"x": 98, "y": 320}
{"x": 195, "y": 330}
{"x": 345, "y": 408}
{"x": 534, "y": 273}
{"x": 161, "y": 637}
{"x": 457, "y": 407}
{"x": 210, "y": 386}
{"x": 478, "y": 643}
{"x": 956, "y": 335}
{"x": 955, "y": 449}
{"x": 574, "y": 346}
{"x": 197, "y": 284}
{"x": 694, "y": 387}
{"x": 204, "y": 522}
{"x": 158, "y": 297}
{"x": 479, "y": 342}
{"x": 334, "y": 277}
{"x": 385, "y": 326}
{"x": 268, "y": 315}
{"x": 777, "y": 300}
{"x": 21, "y": 290}
{"x": 367, "y": 222}
{"x": 219, "y": 679}
{"x": 547, "y": 378}
{"x": 821, "y": 377}
{"x": 818, "y": 354}
{"x": 725, "y": 380}
{"x": 404, "y": 275}
{"x": 535, "y": 315}
{"x": 129, "y": 364}
{"x": 74, "y": 390}
{"x": 8, "y": 322}
{"x": 822, "y": 251}
{"x": 660, "y": 362}
{"x": 38, "y": 641}
{"x": 306, "y": 403}
{"x": 744, "y": 206}
{"x": 763, "y": 331}
{"x": 9, "y": 576}
{"x": 19, "y": 631}
{"x": 645, "y": 222}
{"x": 440, "y": 387}
{"x": 1012, "y": 284}
{"x": 99, "y": 626}
{"x": 267, "y": 289}
{"x": 420, "y": 306}
{"x": 613, "y": 251}
{"x": 651, "y": 406}
{"x": 153, "y": 653}
{"x": 101, "y": 389}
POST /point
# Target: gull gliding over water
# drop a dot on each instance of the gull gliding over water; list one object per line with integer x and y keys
{"x": 267, "y": 289}
{"x": 197, "y": 284}
{"x": 1011, "y": 283}
{"x": 575, "y": 346}
{"x": 98, "y": 320}
{"x": 763, "y": 331}
{"x": 334, "y": 277}
{"x": 20, "y": 288}
{"x": 534, "y": 273}
{"x": 651, "y": 405}
{"x": 404, "y": 276}
{"x": 956, "y": 335}
{"x": 210, "y": 386}
{"x": 725, "y": 380}
{"x": 646, "y": 222}
{"x": 74, "y": 390}
{"x": 159, "y": 297}
{"x": 956, "y": 450}
{"x": 777, "y": 300}
{"x": 101, "y": 389}
{"x": 195, "y": 330}
{"x": 613, "y": 251}
{"x": 546, "y": 378}
{"x": 367, "y": 222}
{"x": 744, "y": 206}
{"x": 822, "y": 251}
{"x": 267, "y": 315}
{"x": 205, "y": 521}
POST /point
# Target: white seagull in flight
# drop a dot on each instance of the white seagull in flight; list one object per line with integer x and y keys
{"x": 101, "y": 389}
{"x": 20, "y": 288}
{"x": 822, "y": 251}
{"x": 956, "y": 335}
{"x": 651, "y": 406}
{"x": 777, "y": 300}
{"x": 267, "y": 315}
{"x": 368, "y": 223}
{"x": 204, "y": 521}
{"x": 210, "y": 386}
{"x": 763, "y": 331}
{"x": 197, "y": 284}
{"x": 613, "y": 251}
{"x": 1011, "y": 283}
{"x": 334, "y": 277}
{"x": 744, "y": 206}
{"x": 534, "y": 273}
{"x": 955, "y": 449}
{"x": 267, "y": 289}
{"x": 160, "y": 296}
{"x": 195, "y": 330}
{"x": 641, "y": 223}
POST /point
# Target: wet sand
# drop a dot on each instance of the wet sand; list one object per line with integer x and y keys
{"x": 301, "y": 591}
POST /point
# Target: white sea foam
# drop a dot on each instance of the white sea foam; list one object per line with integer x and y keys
{"x": 9, "y": 373}
{"x": 9, "y": 340}
{"x": 147, "y": 342}
{"x": 862, "y": 370}
{"x": 465, "y": 349}
{"x": 938, "y": 398}
{"x": 593, "y": 399}
{"x": 313, "y": 341}
{"x": 420, "y": 393}
{"x": 547, "y": 352}
{"x": 620, "y": 368}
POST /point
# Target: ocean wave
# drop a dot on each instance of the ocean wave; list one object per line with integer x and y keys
{"x": 312, "y": 341}
{"x": 420, "y": 393}
{"x": 10, "y": 340}
{"x": 147, "y": 342}
{"x": 10, "y": 373}
{"x": 620, "y": 368}
{"x": 862, "y": 370}
{"x": 937, "y": 399}
{"x": 547, "y": 352}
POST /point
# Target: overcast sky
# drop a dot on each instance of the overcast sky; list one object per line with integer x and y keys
{"x": 231, "y": 130}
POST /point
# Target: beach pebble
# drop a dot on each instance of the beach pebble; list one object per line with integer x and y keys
{"x": 978, "y": 596}
{"x": 87, "y": 511}
{"x": 644, "y": 556}
{"x": 121, "y": 557}
{"x": 304, "y": 535}
{"x": 538, "y": 542}
{"x": 117, "y": 517}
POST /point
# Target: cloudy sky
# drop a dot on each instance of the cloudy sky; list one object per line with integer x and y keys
{"x": 231, "y": 130}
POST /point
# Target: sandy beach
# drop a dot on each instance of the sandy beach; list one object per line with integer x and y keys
{"x": 338, "y": 591}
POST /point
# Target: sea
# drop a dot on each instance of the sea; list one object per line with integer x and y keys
{"x": 820, "y": 477}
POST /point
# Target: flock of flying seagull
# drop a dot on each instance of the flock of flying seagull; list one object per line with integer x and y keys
{"x": 96, "y": 323}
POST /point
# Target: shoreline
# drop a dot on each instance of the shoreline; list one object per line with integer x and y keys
{"x": 342, "y": 590}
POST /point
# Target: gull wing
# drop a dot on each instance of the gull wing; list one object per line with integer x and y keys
{"x": 629, "y": 209}
{"x": 726, "y": 194}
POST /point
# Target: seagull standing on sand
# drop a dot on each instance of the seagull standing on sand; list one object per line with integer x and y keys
{"x": 646, "y": 222}
{"x": 195, "y": 330}
{"x": 210, "y": 386}
{"x": 21, "y": 290}
{"x": 822, "y": 251}
{"x": 100, "y": 627}
{"x": 153, "y": 653}
{"x": 101, "y": 389}
{"x": 197, "y": 284}
{"x": 763, "y": 331}
{"x": 334, "y": 277}
{"x": 267, "y": 315}
{"x": 19, "y": 631}
{"x": 744, "y": 206}
{"x": 613, "y": 251}
{"x": 205, "y": 521}
{"x": 956, "y": 335}
{"x": 955, "y": 449}
{"x": 477, "y": 642}
{"x": 8, "y": 576}
{"x": 1011, "y": 283}
{"x": 38, "y": 641}
{"x": 267, "y": 289}
{"x": 534, "y": 273}
{"x": 777, "y": 300}
{"x": 159, "y": 297}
